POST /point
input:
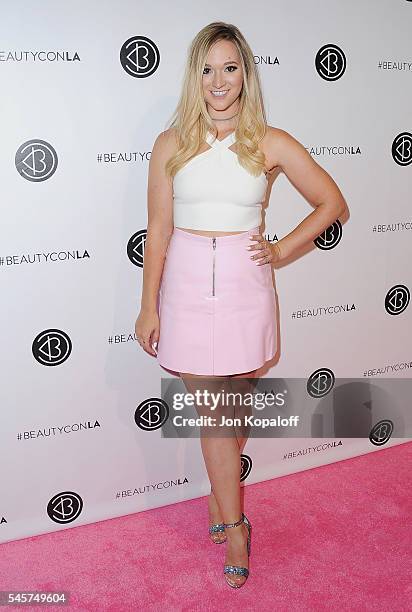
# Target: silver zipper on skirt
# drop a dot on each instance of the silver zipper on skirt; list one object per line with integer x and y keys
{"x": 214, "y": 257}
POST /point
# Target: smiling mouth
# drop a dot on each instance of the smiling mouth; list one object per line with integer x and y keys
{"x": 219, "y": 94}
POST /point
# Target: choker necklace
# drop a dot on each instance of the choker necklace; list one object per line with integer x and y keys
{"x": 227, "y": 119}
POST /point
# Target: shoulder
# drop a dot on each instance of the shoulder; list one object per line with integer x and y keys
{"x": 166, "y": 142}
{"x": 164, "y": 147}
{"x": 278, "y": 145}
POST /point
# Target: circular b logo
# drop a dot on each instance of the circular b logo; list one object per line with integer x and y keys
{"x": 135, "y": 248}
{"x": 245, "y": 466}
{"x": 36, "y": 160}
{"x": 139, "y": 56}
{"x": 320, "y": 382}
{"x": 51, "y": 347}
{"x": 151, "y": 414}
{"x": 381, "y": 432}
{"x": 329, "y": 238}
{"x": 402, "y": 149}
{"x": 65, "y": 507}
{"x": 397, "y": 299}
{"x": 330, "y": 62}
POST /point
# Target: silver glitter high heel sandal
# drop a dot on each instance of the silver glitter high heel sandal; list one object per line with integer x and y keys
{"x": 235, "y": 569}
{"x": 217, "y": 528}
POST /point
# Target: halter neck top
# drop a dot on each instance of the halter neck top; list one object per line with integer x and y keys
{"x": 214, "y": 192}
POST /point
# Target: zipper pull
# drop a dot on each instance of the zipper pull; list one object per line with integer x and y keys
{"x": 213, "y": 271}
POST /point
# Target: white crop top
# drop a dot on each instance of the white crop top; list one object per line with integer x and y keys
{"x": 212, "y": 191}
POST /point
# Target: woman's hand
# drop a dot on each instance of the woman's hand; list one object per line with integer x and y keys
{"x": 147, "y": 330}
{"x": 267, "y": 252}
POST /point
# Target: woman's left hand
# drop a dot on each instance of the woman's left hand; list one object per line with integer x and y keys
{"x": 267, "y": 253}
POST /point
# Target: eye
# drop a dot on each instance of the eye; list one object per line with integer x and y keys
{"x": 227, "y": 67}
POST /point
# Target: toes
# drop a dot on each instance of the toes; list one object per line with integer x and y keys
{"x": 236, "y": 581}
{"x": 219, "y": 537}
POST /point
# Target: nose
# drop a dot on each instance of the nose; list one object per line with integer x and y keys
{"x": 218, "y": 82}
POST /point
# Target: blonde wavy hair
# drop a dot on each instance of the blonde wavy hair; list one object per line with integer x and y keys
{"x": 191, "y": 118}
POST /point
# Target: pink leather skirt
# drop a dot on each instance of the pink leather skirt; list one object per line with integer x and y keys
{"x": 216, "y": 307}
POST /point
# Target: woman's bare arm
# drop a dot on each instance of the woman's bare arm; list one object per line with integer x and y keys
{"x": 312, "y": 181}
{"x": 160, "y": 219}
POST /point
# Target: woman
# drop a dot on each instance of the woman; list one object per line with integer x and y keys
{"x": 206, "y": 301}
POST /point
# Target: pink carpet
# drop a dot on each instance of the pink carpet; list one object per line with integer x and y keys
{"x": 334, "y": 537}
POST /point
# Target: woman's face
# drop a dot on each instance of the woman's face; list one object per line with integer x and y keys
{"x": 222, "y": 73}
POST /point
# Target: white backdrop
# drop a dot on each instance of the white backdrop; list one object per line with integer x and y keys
{"x": 78, "y": 120}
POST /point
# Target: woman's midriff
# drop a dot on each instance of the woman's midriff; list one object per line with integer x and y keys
{"x": 209, "y": 234}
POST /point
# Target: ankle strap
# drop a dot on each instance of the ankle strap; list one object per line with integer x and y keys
{"x": 234, "y": 524}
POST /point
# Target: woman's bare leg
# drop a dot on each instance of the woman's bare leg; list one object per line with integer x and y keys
{"x": 221, "y": 451}
{"x": 219, "y": 446}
